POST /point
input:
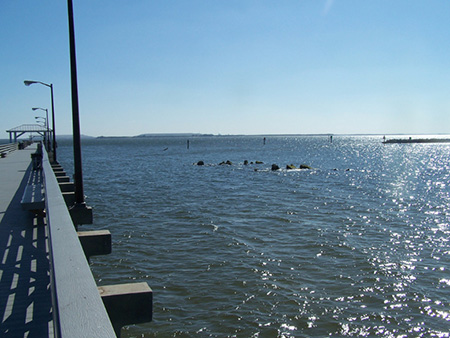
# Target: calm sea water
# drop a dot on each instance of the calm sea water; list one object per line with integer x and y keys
{"x": 357, "y": 246}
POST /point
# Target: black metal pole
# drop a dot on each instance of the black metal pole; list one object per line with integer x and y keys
{"x": 48, "y": 131}
{"x": 79, "y": 193}
{"x": 53, "y": 124}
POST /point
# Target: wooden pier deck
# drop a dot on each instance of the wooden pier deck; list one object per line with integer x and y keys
{"x": 46, "y": 286}
{"x": 25, "y": 297}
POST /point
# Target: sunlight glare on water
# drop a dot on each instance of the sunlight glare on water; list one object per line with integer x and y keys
{"x": 356, "y": 246}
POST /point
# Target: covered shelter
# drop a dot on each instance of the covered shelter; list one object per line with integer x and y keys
{"x": 28, "y": 128}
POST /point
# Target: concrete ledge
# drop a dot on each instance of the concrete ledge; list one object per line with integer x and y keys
{"x": 95, "y": 243}
{"x": 61, "y": 179}
{"x": 81, "y": 213}
{"x": 67, "y": 186}
{"x": 69, "y": 198}
{"x": 127, "y": 304}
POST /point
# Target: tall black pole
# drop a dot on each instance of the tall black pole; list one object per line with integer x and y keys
{"x": 53, "y": 123}
{"x": 48, "y": 145}
{"x": 79, "y": 194}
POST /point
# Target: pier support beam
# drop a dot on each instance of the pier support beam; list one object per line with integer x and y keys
{"x": 95, "y": 243}
{"x": 61, "y": 179}
{"x": 67, "y": 186}
{"x": 69, "y": 198}
{"x": 80, "y": 213}
{"x": 127, "y": 304}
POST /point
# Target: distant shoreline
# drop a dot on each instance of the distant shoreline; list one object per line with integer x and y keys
{"x": 397, "y": 138}
{"x": 408, "y": 138}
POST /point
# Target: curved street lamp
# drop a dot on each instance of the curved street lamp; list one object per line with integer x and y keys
{"x": 81, "y": 214}
{"x": 44, "y": 121}
{"x": 28, "y": 83}
{"x": 46, "y": 124}
{"x": 46, "y": 114}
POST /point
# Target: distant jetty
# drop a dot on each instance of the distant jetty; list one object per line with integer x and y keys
{"x": 418, "y": 140}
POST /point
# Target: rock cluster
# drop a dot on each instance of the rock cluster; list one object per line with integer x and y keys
{"x": 273, "y": 167}
{"x": 291, "y": 167}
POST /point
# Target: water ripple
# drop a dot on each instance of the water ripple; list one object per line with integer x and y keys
{"x": 359, "y": 246}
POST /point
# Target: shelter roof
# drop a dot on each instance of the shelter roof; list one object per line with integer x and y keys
{"x": 26, "y": 128}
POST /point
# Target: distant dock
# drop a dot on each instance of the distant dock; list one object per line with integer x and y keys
{"x": 418, "y": 140}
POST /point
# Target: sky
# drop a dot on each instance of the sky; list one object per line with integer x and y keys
{"x": 230, "y": 66}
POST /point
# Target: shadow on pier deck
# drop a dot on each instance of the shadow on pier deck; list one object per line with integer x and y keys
{"x": 46, "y": 286}
{"x": 25, "y": 299}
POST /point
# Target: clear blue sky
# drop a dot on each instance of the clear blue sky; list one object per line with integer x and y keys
{"x": 231, "y": 66}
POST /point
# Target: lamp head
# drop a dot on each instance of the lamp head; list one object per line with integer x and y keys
{"x": 27, "y": 82}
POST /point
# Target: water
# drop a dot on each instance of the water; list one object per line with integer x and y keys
{"x": 357, "y": 246}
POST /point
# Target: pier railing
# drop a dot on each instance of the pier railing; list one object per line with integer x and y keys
{"x": 80, "y": 308}
{"x": 8, "y": 147}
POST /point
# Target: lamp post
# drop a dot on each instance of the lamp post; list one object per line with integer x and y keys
{"x": 28, "y": 83}
{"x": 46, "y": 123}
{"x": 42, "y": 121}
{"x": 79, "y": 194}
{"x": 81, "y": 214}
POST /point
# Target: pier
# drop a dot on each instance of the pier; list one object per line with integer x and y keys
{"x": 46, "y": 286}
{"x": 417, "y": 140}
